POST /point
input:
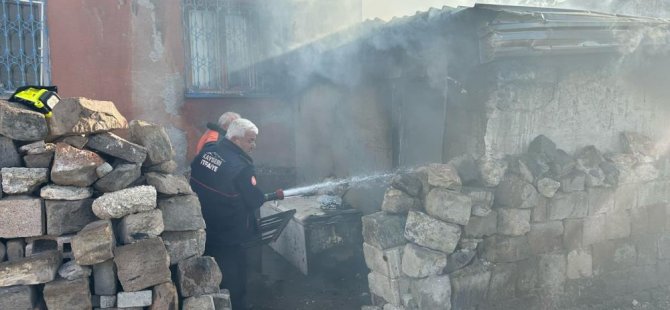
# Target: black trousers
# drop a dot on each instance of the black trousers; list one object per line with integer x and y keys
{"x": 232, "y": 261}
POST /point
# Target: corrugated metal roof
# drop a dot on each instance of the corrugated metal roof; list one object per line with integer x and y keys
{"x": 530, "y": 31}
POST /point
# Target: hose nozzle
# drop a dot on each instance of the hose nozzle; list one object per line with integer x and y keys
{"x": 276, "y": 195}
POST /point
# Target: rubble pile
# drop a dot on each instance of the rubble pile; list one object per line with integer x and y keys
{"x": 89, "y": 219}
{"x": 540, "y": 230}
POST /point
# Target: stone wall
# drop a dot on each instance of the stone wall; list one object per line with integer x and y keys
{"x": 89, "y": 219}
{"x": 541, "y": 230}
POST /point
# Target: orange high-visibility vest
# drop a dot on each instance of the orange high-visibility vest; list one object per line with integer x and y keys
{"x": 207, "y": 137}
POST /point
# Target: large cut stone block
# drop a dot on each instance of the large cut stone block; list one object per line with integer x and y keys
{"x": 18, "y": 181}
{"x": 551, "y": 270}
{"x": 501, "y": 285}
{"x": 468, "y": 286}
{"x": 392, "y": 290}
{"x": 482, "y": 226}
{"x": 198, "y": 276}
{"x": 9, "y": 157}
{"x": 502, "y": 249}
{"x": 481, "y": 198}
{"x": 449, "y": 206}
{"x": 19, "y": 123}
{"x": 118, "y": 147}
{"x": 126, "y": 201}
{"x": 74, "y": 167}
{"x": 105, "y": 301}
{"x": 443, "y": 176}
{"x": 184, "y": 244}
{"x": 204, "y": 302}
{"x": 59, "y": 192}
{"x": 133, "y": 299}
{"x": 182, "y": 213}
{"x": 514, "y": 192}
{"x": 169, "y": 184}
{"x": 104, "y": 278}
{"x": 121, "y": 177}
{"x": 154, "y": 138}
{"x": 397, "y": 201}
{"x": 568, "y": 205}
{"x": 420, "y": 262}
{"x": 79, "y": 116}
{"x": 599, "y": 200}
{"x": 142, "y": 264}
{"x": 143, "y": 225}
{"x": 21, "y": 216}
{"x": 20, "y": 297}
{"x": 40, "y": 268}
{"x": 165, "y": 297}
{"x": 432, "y": 233}
{"x": 513, "y": 222}
{"x": 384, "y": 230}
{"x": 64, "y": 216}
{"x": 68, "y": 295}
{"x": 386, "y": 262}
{"x": 432, "y": 292}
{"x": 94, "y": 243}
{"x": 546, "y": 237}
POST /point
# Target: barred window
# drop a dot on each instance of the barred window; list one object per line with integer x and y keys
{"x": 24, "y": 56}
{"x": 221, "y": 43}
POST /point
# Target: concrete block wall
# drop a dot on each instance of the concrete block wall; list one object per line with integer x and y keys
{"x": 541, "y": 230}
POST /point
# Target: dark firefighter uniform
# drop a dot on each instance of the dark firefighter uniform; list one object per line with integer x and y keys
{"x": 223, "y": 176}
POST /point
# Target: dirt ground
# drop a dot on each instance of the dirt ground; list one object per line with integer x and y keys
{"x": 274, "y": 284}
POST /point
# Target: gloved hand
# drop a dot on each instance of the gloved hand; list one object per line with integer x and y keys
{"x": 276, "y": 195}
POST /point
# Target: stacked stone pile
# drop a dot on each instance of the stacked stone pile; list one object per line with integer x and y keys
{"x": 89, "y": 219}
{"x": 540, "y": 230}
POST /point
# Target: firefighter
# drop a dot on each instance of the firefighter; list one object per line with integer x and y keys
{"x": 223, "y": 176}
{"x": 216, "y": 132}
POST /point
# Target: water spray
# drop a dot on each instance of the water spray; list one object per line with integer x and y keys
{"x": 357, "y": 181}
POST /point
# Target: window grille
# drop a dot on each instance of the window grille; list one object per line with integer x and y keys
{"x": 222, "y": 43}
{"x": 24, "y": 52}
